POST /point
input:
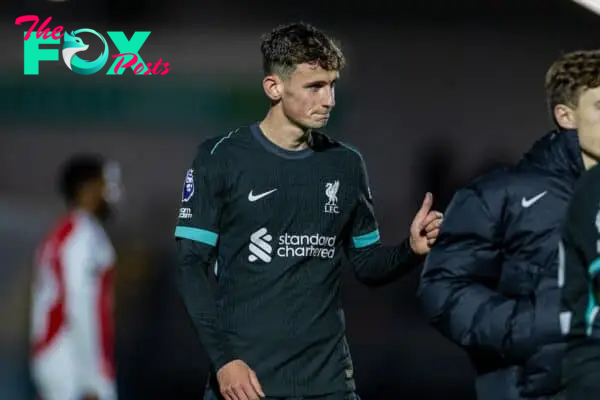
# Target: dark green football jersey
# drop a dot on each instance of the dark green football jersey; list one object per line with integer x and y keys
{"x": 279, "y": 222}
{"x": 579, "y": 273}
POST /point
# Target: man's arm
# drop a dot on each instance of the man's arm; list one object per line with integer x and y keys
{"x": 197, "y": 237}
{"x": 83, "y": 285}
{"x": 376, "y": 264}
{"x": 197, "y": 232}
{"x": 456, "y": 287}
{"x": 193, "y": 261}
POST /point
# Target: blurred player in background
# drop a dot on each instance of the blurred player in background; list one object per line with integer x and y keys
{"x": 579, "y": 278}
{"x": 72, "y": 313}
{"x": 491, "y": 282}
{"x": 278, "y": 203}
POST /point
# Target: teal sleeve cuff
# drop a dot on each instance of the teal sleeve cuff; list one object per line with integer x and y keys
{"x": 367, "y": 239}
{"x": 197, "y": 235}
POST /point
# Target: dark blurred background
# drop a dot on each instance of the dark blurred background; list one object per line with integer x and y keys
{"x": 435, "y": 93}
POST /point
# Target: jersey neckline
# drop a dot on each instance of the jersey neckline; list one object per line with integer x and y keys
{"x": 273, "y": 148}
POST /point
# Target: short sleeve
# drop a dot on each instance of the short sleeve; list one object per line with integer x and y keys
{"x": 364, "y": 230}
{"x": 200, "y": 200}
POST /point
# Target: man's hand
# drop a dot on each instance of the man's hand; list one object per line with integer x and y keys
{"x": 89, "y": 397}
{"x": 238, "y": 382}
{"x": 425, "y": 228}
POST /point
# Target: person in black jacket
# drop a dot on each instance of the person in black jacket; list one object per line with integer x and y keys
{"x": 490, "y": 283}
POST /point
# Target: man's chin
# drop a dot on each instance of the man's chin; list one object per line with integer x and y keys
{"x": 319, "y": 123}
{"x": 312, "y": 123}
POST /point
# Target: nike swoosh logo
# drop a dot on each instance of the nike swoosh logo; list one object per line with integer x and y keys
{"x": 526, "y": 203}
{"x": 253, "y": 197}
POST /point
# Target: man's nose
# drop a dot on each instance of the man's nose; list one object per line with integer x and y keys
{"x": 329, "y": 100}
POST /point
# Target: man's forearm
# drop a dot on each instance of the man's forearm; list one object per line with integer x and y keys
{"x": 378, "y": 264}
{"x": 192, "y": 281}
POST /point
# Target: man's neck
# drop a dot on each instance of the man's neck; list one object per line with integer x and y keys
{"x": 86, "y": 207}
{"x": 279, "y": 130}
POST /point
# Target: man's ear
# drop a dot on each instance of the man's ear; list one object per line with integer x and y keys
{"x": 565, "y": 116}
{"x": 273, "y": 87}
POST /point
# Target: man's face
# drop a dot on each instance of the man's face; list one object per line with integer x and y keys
{"x": 95, "y": 191}
{"x": 587, "y": 121}
{"x": 309, "y": 95}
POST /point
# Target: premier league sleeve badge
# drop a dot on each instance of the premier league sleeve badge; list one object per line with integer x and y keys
{"x": 188, "y": 186}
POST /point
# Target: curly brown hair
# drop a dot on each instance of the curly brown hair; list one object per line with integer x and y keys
{"x": 289, "y": 45}
{"x": 569, "y": 76}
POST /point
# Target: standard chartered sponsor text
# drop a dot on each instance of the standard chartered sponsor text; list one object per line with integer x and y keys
{"x": 313, "y": 245}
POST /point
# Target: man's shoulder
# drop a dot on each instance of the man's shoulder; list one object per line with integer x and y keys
{"x": 61, "y": 231}
{"x": 325, "y": 143}
{"x": 509, "y": 178}
{"x": 76, "y": 229}
{"x": 221, "y": 145}
{"x": 491, "y": 181}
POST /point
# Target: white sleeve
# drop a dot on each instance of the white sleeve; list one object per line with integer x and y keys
{"x": 81, "y": 282}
